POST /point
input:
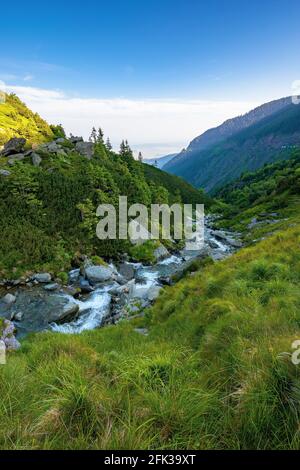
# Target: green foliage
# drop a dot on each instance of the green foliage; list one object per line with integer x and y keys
{"x": 48, "y": 213}
{"x": 58, "y": 131}
{"x": 144, "y": 252}
{"x": 16, "y": 120}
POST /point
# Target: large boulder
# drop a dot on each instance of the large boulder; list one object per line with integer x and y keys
{"x": 161, "y": 252}
{"x": 9, "y": 299}
{"x": 86, "y": 149}
{"x": 42, "y": 277}
{"x": 14, "y": 145}
{"x": 96, "y": 274}
{"x": 68, "y": 313}
{"x": 18, "y": 157}
{"x": 127, "y": 270}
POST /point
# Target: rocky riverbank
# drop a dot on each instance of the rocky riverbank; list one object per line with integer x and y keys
{"x": 95, "y": 295}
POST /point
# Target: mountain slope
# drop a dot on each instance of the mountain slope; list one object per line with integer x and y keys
{"x": 16, "y": 120}
{"x": 267, "y": 140}
{"x": 213, "y": 372}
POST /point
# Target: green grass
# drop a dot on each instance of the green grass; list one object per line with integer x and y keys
{"x": 16, "y": 120}
{"x": 215, "y": 371}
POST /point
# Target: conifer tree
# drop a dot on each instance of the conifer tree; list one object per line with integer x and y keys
{"x": 108, "y": 144}
{"x": 93, "y": 136}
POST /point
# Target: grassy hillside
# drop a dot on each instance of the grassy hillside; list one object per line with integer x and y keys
{"x": 271, "y": 139}
{"x": 215, "y": 371}
{"x": 16, "y": 120}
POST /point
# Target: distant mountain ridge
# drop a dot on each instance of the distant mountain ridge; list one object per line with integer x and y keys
{"x": 244, "y": 143}
{"x": 159, "y": 162}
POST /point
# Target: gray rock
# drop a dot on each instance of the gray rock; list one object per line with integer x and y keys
{"x": 74, "y": 139}
{"x": 53, "y": 147}
{"x": 161, "y": 252}
{"x": 213, "y": 244}
{"x": 18, "y": 316}
{"x": 9, "y": 299}
{"x": 85, "y": 286}
{"x": 36, "y": 159}
{"x": 96, "y": 274}
{"x": 127, "y": 270}
{"x": 42, "y": 277}
{"x": 67, "y": 313}
{"x": 51, "y": 287}
{"x": 5, "y": 172}
{"x": 14, "y": 145}
{"x": 85, "y": 148}
{"x": 15, "y": 158}
{"x": 154, "y": 292}
{"x": 61, "y": 140}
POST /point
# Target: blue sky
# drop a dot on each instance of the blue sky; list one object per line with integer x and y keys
{"x": 124, "y": 62}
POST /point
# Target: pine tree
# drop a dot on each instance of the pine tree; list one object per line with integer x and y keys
{"x": 99, "y": 137}
{"x": 123, "y": 148}
{"x": 108, "y": 144}
{"x": 93, "y": 136}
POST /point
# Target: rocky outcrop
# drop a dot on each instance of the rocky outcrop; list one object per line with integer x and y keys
{"x": 86, "y": 149}
{"x": 13, "y": 146}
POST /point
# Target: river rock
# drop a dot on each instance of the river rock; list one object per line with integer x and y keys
{"x": 9, "y": 299}
{"x": 66, "y": 314}
{"x": 42, "y": 277}
{"x": 127, "y": 270}
{"x": 85, "y": 148}
{"x": 51, "y": 287}
{"x": 14, "y": 145}
{"x": 96, "y": 274}
{"x": 18, "y": 316}
{"x": 161, "y": 252}
{"x": 85, "y": 286}
{"x": 154, "y": 292}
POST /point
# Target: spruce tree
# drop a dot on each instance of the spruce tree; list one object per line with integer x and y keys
{"x": 93, "y": 136}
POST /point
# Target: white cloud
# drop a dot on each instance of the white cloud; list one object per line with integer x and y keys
{"x": 157, "y": 126}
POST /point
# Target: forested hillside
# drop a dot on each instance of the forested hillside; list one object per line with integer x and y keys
{"x": 270, "y": 139}
{"x": 49, "y": 197}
